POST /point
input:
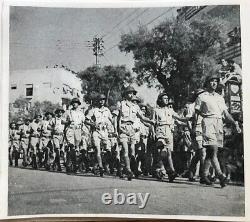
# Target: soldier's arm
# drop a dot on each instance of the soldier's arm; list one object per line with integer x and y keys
{"x": 180, "y": 118}
{"x": 231, "y": 120}
{"x": 145, "y": 119}
{"x": 89, "y": 120}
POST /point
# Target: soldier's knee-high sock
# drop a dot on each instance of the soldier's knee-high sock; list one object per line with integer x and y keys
{"x": 99, "y": 161}
{"x": 127, "y": 162}
{"x": 170, "y": 162}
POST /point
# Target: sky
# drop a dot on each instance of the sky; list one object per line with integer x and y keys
{"x": 41, "y": 37}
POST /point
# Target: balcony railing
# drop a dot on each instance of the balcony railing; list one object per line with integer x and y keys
{"x": 229, "y": 52}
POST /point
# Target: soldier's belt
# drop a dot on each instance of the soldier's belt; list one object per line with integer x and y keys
{"x": 75, "y": 127}
{"x": 164, "y": 124}
{"x": 45, "y": 136}
{"x": 35, "y": 136}
{"x": 58, "y": 134}
{"x": 144, "y": 136}
{"x": 127, "y": 122}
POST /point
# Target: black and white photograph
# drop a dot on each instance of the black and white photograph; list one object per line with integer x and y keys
{"x": 126, "y": 111}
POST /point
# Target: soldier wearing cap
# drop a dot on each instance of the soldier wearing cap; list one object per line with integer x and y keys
{"x": 13, "y": 144}
{"x": 164, "y": 116}
{"x": 24, "y": 139}
{"x": 126, "y": 115}
{"x": 100, "y": 118}
{"x": 44, "y": 139}
{"x": 34, "y": 139}
{"x": 74, "y": 120}
{"x": 212, "y": 108}
{"x": 196, "y": 135}
{"x": 144, "y": 155}
{"x": 56, "y": 127}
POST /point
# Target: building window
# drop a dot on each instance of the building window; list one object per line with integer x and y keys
{"x": 29, "y": 89}
{"x": 13, "y": 86}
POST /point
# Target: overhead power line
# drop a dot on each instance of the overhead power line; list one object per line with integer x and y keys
{"x": 123, "y": 20}
{"x": 137, "y": 16}
{"x": 148, "y": 23}
{"x": 159, "y": 16}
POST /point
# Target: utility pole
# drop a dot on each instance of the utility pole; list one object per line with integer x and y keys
{"x": 97, "y": 48}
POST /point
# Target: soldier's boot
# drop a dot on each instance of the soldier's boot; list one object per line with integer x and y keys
{"x": 16, "y": 157}
{"x": 223, "y": 180}
{"x": 10, "y": 159}
{"x": 134, "y": 166}
{"x": 39, "y": 159}
{"x": 159, "y": 174}
{"x": 172, "y": 176}
{"x": 205, "y": 180}
{"x": 74, "y": 160}
{"x": 34, "y": 161}
{"x": 191, "y": 176}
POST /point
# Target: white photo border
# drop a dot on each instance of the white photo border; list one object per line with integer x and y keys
{"x": 4, "y": 93}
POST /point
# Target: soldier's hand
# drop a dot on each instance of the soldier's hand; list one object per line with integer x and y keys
{"x": 237, "y": 127}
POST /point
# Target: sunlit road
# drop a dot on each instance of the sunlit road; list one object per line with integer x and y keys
{"x": 42, "y": 192}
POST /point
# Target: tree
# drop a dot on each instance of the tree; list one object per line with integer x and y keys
{"x": 177, "y": 54}
{"x": 20, "y": 108}
{"x": 108, "y": 80}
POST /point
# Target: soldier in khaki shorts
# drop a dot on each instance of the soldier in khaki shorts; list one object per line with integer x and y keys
{"x": 211, "y": 106}
{"x": 24, "y": 140}
{"x": 13, "y": 144}
{"x": 74, "y": 120}
{"x": 164, "y": 118}
{"x": 100, "y": 118}
{"x": 196, "y": 129}
{"x": 56, "y": 127}
{"x": 34, "y": 139}
{"x": 44, "y": 139}
{"x": 126, "y": 115}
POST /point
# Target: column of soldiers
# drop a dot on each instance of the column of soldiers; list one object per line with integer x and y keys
{"x": 124, "y": 140}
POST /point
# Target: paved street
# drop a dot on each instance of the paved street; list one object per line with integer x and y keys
{"x": 41, "y": 192}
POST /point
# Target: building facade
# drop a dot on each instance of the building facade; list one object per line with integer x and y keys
{"x": 56, "y": 85}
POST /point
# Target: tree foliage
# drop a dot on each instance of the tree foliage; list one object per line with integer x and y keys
{"x": 177, "y": 55}
{"x": 20, "y": 108}
{"x": 108, "y": 80}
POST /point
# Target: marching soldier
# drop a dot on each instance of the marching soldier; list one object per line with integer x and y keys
{"x": 44, "y": 139}
{"x": 196, "y": 132}
{"x": 24, "y": 140}
{"x": 211, "y": 106}
{"x": 56, "y": 127}
{"x": 100, "y": 118}
{"x": 164, "y": 117}
{"x": 74, "y": 123}
{"x": 145, "y": 154}
{"x": 126, "y": 116}
{"x": 34, "y": 139}
{"x": 13, "y": 144}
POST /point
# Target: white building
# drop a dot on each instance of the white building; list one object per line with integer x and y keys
{"x": 52, "y": 84}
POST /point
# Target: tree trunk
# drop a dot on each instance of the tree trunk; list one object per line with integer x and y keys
{"x": 107, "y": 96}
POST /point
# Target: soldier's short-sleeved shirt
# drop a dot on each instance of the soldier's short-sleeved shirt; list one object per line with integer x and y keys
{"x": 164, "y": 116}
{"x": 75, "y": 116}
{"x": 191, "y": 113}
{"x": 43, "y": 125}
{"x": 56, "y": 125}
{"x": 210, "y": 105}
{"x": 128, "y": 111}
{"x": 33, "y": 126}
{"x": 23, "y": 129}
{"x": 100, "y": 115}
{"x": 13, "y": 134}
